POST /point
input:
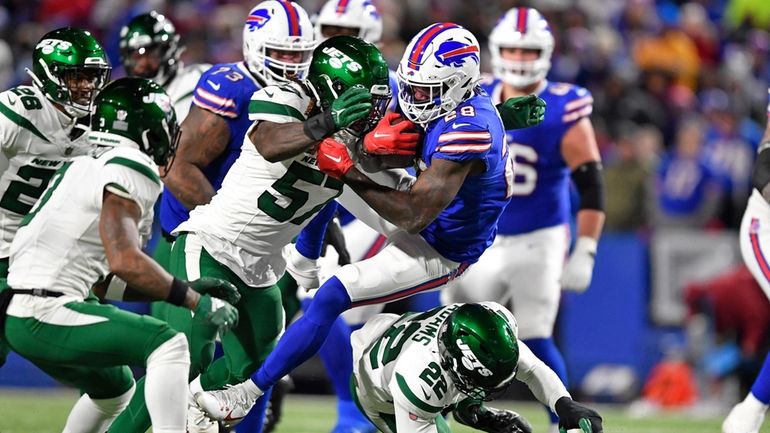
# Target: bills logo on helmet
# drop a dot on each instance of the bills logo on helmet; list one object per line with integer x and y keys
{"x": 455, "y": 53}
{"x": 258, "y": 19}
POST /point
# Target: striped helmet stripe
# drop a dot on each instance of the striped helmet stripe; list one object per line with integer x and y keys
{"x": 342, "y": 6}
{"x": 293, "y": 15}
{"x": 428, "y": 35}
{"x": 521, "y": 20}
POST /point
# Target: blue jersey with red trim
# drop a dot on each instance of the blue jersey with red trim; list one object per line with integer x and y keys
{"x": 541, "y": 195}
{"x": 225, "y": 90}
{"x": 473, "y": 131}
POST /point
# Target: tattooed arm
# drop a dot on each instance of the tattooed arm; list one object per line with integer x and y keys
{"x": 413, "y": 210}
{"x": 118, "y": 229}
{"x": 204, "y": 137}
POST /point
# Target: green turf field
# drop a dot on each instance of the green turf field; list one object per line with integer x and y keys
{"x": 45, "y": 412}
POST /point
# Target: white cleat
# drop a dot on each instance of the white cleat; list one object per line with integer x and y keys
{"x": 197, "y": 421}
{"x": 745, "y": 417}
{"x": 229, "y": 405}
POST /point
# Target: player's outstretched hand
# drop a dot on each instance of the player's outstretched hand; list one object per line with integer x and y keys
{"x": 489, "y": 419}
{"x": 393, "y": 135}
{"x": 574, "y": 415}
{"x": 216, "y": 313}
{"x": 217, "y": 288}
{"x": 522, "y": 111}
{"x": 352, "y": 105}
{"x": 333, "y": 158}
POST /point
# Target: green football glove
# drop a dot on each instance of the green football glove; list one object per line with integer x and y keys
{"x": 574, "y": 415}
{"x": 353, "y": 104}
{"x": 217, "y": 288}
{"x": 214, "y": 315}
{"x": 473, "y": 414}
{"x": 522, "y": 111}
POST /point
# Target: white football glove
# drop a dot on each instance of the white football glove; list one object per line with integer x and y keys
{"x": 303, "y": 270}
{"x": 580, "y": 265}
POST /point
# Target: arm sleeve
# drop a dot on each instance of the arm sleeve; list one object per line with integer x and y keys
{"x": 579, "y": 104}
{"x": 543, "y": 382}
{"x": 279, "y": 104}
{"x": 133, "y": 179}
{"x": 215, "y": 93}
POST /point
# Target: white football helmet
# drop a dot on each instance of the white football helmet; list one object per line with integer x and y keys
{"x": 439, "y": 70}
{"x": 521, "y": 28}
{"x": 356, "y": 14}
{"x": 277, "y": 25}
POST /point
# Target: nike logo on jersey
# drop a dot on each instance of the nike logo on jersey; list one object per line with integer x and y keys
{"x": 425, "y": 393}
{"x": 269, "y": 95}
{"x": 457, "y": 125}
{"x": 214, "y": 86}
{"x": 337, "y": 159}
{"x": 11, "y": 101}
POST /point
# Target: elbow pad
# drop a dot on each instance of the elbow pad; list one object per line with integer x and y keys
{"x": 760, "y": 175}
{"x": 589, "y": 181}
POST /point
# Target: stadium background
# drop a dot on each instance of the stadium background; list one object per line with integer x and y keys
{"x": 680, "y": 92}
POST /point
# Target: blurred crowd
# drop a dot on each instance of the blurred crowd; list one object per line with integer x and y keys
{"x": 680, "y": 87}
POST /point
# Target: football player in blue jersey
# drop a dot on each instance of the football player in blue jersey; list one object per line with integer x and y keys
{"x": 437, "y": 226}
{"x": 525, "y": 267}
{"x": 278, "y": 40}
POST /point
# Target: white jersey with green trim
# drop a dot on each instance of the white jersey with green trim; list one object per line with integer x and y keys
{"x": 35, "y": 138}
{"x": 58, "y": 246}
{"x": 398, "y": 371}
{"x": 180, "y": 89}
{"x": 262, "y": 205}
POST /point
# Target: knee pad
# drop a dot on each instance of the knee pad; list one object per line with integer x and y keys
{"x": 114, "y": 406}
{"x": 173, "y": 352}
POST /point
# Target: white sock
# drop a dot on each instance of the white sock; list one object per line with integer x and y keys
{"x": 95, "y": 416}
{"x": 195, "y": 386}
{"x": 252, "y": 389}
{"x": 165, "y": 389}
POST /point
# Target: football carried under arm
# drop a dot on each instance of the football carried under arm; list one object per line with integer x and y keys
{"x": 118, "y": 229}
{"x": 280, "y": 141}
{"x": 521, "y": 111}
{"x": 410, "y": 210}
{"x": 581, "y": 153}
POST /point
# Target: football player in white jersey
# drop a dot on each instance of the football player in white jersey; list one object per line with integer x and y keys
{"x": 149, "y": 48}
{"x": 39, "y": 124}
{"x": 87, "y": 231}
{"x": 525, "y": 268}
{"x": 410, "y": 369}
{"x": 39, "y": 129}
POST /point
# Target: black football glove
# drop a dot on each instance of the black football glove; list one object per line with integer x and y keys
{"x": 336, "y": 239}
{"x": 491, "y": 420}
{"x": 574, "y": 415}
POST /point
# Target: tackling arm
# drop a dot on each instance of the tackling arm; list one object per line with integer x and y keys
{"x": 118, "y": 229}
{"x": 280, "y": 141}
{"x": 414, "y": 209}
{"x": 204, "y": 138}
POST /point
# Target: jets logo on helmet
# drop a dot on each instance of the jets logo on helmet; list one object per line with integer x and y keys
{"x": 470, "y": 361}
{"x": 278, "y": 41}
{"x": 257, "y": 19}
{"x": 523, "y": 28}
{"x": 338, "y": 59}
{"x": 439, "y": 70}
{"x": 453, "y": 53}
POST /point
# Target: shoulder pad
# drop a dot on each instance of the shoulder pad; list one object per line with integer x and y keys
{"x": 577, "y": 101}
{"x": 281, "y": 104}
{"x": 223, "y": 90}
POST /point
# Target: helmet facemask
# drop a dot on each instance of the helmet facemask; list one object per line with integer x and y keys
{"x": 424, "y": 102}
{"x": 521, "y": 73}
{"x": 524, "y": 29}
{"x": 163, "y": 60}
{"x": 74, "y": 87}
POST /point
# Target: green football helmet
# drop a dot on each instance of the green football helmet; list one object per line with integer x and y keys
{"x": 479, "y": 350}
{"x": 70, "y": 67}
{"x": 149, "y": 48}
{"x": 136, "y": 112}
{"x": 342, "y": 62}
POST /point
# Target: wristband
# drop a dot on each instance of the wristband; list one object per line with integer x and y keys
{"x": 115, "y": 289}
{"x": 319, "y": 126}
{"x": 178, "y": 292}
